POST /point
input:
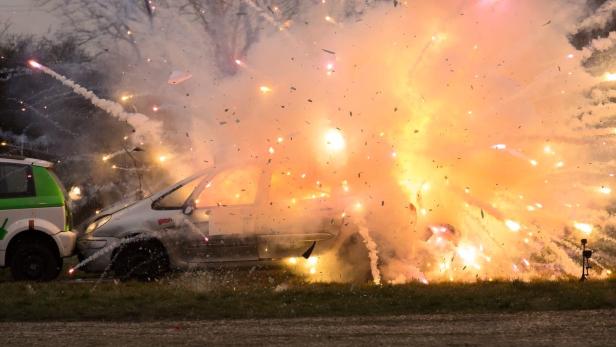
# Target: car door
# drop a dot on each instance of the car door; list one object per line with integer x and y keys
{"x": 224, "y": 210}
{"x": 181, "y": 235}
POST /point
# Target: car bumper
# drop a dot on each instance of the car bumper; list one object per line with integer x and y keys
{"x": 66, "y": 242}
{"x": 96, "y": 252}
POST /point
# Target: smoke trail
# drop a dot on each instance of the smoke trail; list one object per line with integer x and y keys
{"x": 143, "y": 125}
{"x": 372, "y": 252}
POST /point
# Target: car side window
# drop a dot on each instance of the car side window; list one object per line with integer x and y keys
{"x": 175, "y": 199}
{"x": 288, "y": 186}
{"x": 16, "y": 181}
{"x": 231, "y": 188}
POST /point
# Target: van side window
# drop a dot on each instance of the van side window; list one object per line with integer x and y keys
{"x": 232, "y": 187}
{"x": 16, "y": 181}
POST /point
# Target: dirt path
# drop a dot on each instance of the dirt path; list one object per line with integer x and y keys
{"x": 565, "y": 328}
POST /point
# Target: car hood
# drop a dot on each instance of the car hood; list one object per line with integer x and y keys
{"x": 118, "y": 206}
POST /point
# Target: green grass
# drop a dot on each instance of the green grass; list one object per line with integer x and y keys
{"x": 245, "y": 294}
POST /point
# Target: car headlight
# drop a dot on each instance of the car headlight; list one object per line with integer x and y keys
{"x": 97, "y": 223}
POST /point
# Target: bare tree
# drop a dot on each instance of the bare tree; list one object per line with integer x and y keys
{"x": 101, "y": 23}
{"x": 232, "y": 25}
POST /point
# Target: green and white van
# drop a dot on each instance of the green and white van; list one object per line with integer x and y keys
{"x": 35, "y": 219}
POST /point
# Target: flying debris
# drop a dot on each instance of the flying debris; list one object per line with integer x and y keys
{"x": 179, "y": 76}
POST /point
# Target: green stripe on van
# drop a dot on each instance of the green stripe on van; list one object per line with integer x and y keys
{"x": 48, "y": 194}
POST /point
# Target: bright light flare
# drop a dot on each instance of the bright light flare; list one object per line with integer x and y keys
{"x": 34, "y": 64}
{"x": 605, "y": 190}
{"x": 162, "y": 158}
{"x": 334, "y": 140}
{"x": 609, "y": 76}
{"x": 499, "y": 146}
{"x": 583, "y": 227}
{"x": 468, "y": 254}
{"x": 312, "y": 261}
{"x": 512, "y": 225}
{"x": 265, "y": 89}
{"x": 75, "y": 193}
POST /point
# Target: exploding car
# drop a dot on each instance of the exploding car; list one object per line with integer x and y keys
{"x": 233, "y": 214}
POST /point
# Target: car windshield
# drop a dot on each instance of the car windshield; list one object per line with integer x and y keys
{"x": 178, "y": 194}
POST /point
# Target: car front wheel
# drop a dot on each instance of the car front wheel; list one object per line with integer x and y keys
{"x": 143, "y": 260}
{"x": 35, "y": 261}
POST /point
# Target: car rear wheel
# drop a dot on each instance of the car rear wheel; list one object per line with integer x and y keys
{"x": 144, "y": 260}
{"x": 34, "y": 261}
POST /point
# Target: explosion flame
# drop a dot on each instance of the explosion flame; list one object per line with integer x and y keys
{"x": 462, "y": 133}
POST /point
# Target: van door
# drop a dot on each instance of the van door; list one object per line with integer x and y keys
{"x": 225, "y": 210}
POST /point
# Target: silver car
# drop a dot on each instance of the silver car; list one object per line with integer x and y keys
{"x": 233, "y": 214}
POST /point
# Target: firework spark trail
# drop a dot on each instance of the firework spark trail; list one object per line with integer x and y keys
{"x": 143, "y": 125}
{"x": 46, "y": 117}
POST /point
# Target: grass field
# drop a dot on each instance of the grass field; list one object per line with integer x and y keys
{"x": 277, "y": 294}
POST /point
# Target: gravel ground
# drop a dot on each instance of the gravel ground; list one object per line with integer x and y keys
{"x": 565, "y": 328}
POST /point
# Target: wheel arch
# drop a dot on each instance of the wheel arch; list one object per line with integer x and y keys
{"x": 30, "y": 236}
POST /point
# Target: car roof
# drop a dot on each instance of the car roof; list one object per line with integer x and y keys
{"x": 24, "y": 160}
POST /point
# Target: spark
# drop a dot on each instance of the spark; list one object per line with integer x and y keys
{"x": 106, "y": 157}
{"x": 610, "y": 76}
{"x": 271, "y": 150}
{"x": 292, "y": 260}
{"x": 34, "y": 64}
{"x": 499, "y": 146}
{"x": 533, "y": 162}
{"x": 162, "y": 158}
{"x": 334, "y": 140}
{"x": 155, "y": 108}
{"x": 74, "y": 193}
{"x": 312, "y": 261}
{"x": 238, "y": 62}
{"x": 439, "y": 37}
{"x": 583, "y": 227}
{"x": 71, "y": 271}
{"x": 468, "y": 254}
{"x": 559, "y": 164}
{"x": 605, "y": 190}
{"x": 280, "y": 139}
{"x": 265, "y": 89}
{"x": 330, "y": 19}
{"x": 548, "y": 150}
{"x": 512, "y": 225}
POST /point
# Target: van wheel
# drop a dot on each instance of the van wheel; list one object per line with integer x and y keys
{"x": 34, "y": 261}
{"x": 145, "y": 261}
